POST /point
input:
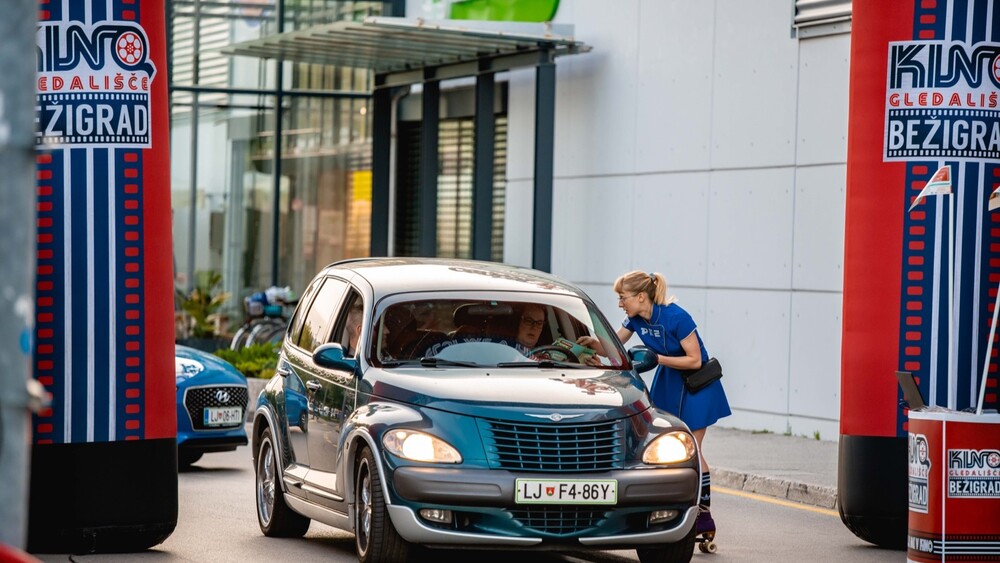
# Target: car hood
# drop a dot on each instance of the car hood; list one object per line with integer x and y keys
{"x": 195, "y": 367}
{"x": 586, "y": 395}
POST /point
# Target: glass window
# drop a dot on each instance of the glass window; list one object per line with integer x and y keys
{"x": 348, "y": 331}
{"x": 326, "y": 193}
{"x": 454, "y": 203}
{"x": 513, "y": 332}
{"x": 222, "y": 193}
{"x": 316, "y": 327}
{"x": 299, "y": 316}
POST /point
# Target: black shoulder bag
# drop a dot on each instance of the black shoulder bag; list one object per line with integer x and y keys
{"x": 697, "y": 379}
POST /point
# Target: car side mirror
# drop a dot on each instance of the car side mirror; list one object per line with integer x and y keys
{"x": 643, "y": 359}
{"x": 332, "y": 356}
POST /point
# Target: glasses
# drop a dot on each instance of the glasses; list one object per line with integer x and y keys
{"x": 624, "y": 298}
{"x": 529, "y": 322}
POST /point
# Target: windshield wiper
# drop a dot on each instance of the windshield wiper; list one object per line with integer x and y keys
{"x": 540, "y": 364}
{"x": 432, "y": 361}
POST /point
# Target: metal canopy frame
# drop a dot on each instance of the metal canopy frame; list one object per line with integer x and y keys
{"x": 407, "y": 51}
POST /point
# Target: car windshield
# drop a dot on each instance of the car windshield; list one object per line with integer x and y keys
{"x": 517, "y": 331}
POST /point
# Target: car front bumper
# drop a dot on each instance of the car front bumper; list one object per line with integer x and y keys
{"x": 486, "y": 498}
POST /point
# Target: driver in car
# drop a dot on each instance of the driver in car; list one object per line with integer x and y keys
{"x": 529, "y": 328}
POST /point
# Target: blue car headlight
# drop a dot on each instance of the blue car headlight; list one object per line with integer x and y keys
{"x": 672, "y": 447}
{"x": 185, "y": 368}
{"x": 419, "y": 446}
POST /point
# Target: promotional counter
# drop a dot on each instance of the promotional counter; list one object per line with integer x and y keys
{"x": 954, "y": 487}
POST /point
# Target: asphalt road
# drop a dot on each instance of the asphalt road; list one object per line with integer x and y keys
{"x": 217, "y": 523}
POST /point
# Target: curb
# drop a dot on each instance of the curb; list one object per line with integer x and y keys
{"x": 815, "y": 495}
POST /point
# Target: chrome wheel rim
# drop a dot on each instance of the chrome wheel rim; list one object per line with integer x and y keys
{"x": 364, "y": 507}
{"x": 265, "y": 483}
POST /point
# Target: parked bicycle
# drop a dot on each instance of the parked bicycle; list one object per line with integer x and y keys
{"x": 265, "y": 317}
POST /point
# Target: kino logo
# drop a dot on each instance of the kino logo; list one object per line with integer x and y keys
{"x": 93, "y": 85}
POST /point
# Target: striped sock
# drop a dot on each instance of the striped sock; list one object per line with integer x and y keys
{"x": 706, "y": 490}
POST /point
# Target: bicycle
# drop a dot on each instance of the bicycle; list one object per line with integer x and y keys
{"x": 266, "y": 321}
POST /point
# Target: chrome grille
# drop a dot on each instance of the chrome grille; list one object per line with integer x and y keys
{"x": 555, "y": 448}
{"x": 558, "y": 520}
{"x": 197, "y": 398}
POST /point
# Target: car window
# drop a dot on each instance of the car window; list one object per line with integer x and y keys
{"x": 295, "y": 324}
{"x": 316, "y": 326}
{"x": 495, "y": 332}
{"x": 349, "y": 323}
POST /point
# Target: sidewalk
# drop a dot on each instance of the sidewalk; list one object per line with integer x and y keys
{"x": 787, "y": 467}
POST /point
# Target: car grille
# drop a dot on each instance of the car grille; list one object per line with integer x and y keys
{"x": 558, "y": 520}
{"x": 555, "y": 448}
{"x": 197, "y": 398}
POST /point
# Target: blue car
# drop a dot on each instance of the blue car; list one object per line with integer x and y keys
{"x": 212, "y": 399}
{"x": 447, "y": 404}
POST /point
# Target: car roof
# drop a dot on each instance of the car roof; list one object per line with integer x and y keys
{"x": 394, "y": 275}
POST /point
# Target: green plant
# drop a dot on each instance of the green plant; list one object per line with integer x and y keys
{"x": 816, "y": 435}
{"x": 202, "y": 304}
{"x": 254, "y": 360}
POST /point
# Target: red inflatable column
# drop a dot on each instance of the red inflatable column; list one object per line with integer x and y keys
{"x": 103, "y": 470}
{"x": 924, "y": 94}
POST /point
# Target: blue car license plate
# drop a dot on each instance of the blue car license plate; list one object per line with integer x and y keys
{"x": 222, "y": 416}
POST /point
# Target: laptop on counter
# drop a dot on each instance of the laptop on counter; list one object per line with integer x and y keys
{"x": 911, "y": 392}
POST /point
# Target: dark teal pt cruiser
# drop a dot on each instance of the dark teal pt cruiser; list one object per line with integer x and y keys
{"x": 432, "y": 403}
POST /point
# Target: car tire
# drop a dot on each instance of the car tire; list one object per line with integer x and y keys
{"x": 376, "y": 539}
{"x": 680, "y": 552}
{"x": 186, "y": 458}
{"x": 276, "y": 519}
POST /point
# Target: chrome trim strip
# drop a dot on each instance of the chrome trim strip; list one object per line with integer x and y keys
{"x": 413, "y": 530}
{"x": 320, "y": 514}
{"x": 675, "y": 534}
{"x": 320, "y": 492}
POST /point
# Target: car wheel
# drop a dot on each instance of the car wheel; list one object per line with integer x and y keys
{"x": 276, "y": 519}
{"x": 186, "y": 458}
{"x": 376, "y": 538}
{"x": 304, "y": 420}
{"x": 680, "y": 552}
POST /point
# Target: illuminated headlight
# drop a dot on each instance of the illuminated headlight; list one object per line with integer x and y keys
{"x": 418, "y": 446}
{"x": 673, "y": 447}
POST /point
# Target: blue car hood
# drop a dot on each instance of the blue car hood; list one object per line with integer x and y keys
{"x": 196, "y": 367}
{"x": 512, "y": 393}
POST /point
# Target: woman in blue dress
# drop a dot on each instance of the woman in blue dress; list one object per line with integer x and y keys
{"x": 668, "y": 330}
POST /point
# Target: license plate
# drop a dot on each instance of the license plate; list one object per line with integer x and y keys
{"x": 567, "y": 491}
{"x": 222, "y": 416}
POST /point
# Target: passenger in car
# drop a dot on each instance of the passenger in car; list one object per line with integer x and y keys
{"x": 353, "y": 329}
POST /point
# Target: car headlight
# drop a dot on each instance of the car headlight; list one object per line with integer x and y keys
{"x": 673, "y": 447}
{"x": 420, "y": 446}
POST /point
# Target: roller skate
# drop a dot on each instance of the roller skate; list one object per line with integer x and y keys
{"x": 704, "y": 528}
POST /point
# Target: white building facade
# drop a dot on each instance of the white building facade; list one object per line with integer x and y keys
{"x": 706, "y": 141}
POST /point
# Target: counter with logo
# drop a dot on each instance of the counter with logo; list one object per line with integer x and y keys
{"x": 954, "y": 487}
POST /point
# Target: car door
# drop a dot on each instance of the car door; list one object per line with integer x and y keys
{"x": 334, "y": 397}
{"x": 297, "y": 368}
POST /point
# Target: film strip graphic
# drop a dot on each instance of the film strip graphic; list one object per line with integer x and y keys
{"x": 917, "y": 284}
{"x": 90, "y": 299}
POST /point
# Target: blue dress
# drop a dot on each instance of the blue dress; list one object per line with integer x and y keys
{"x": 667, "y": 326}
